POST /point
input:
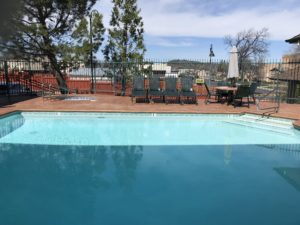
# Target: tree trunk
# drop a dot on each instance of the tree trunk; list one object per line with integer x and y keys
{"x": 49, "y": 52}
{"x": 61, "y": 82}
{"x": 123, "y": 79}
{"x": 123, "y": 85}
{"x": 58, "y": 75}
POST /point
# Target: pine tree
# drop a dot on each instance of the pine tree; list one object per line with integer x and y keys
{"x": 125, "y": 44}
{"x": 125, "y": 40}
{"x": 82, "y": 35}
{"x": 41, "y": 27}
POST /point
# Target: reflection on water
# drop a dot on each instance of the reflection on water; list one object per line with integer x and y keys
{"x": 11, "y": 123}
{"x": 293, "y": 149}
{"x": 111, "y": 185}
{"x": 74, "y": 161}
{"x": 287, "y": 148}
{"x": 291, "y": 175}
{"x": 60, "y": 181}
{"x": 227, "y": 153}
{"x": 126, "y": 162}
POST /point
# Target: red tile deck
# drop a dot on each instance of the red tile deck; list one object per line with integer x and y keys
{"x": 110, "y": 103}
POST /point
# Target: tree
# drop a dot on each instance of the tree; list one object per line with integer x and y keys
{"x": 222, "y": 67}
{"x": 125, "y": 40}
{"x": 7, "y": 10}
{"x": 41, "y": 27}
{"x": 251, "y": 44}
{"x": 82, "y": 37}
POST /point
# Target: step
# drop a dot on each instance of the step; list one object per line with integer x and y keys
{"x": 262, "y": 127}
{"x": 279, "y": 120}
{"x": 269, "y": 119}
{"x": 265, "y": 123}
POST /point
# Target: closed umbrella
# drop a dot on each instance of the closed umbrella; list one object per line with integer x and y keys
{"x": 233, "y": 70}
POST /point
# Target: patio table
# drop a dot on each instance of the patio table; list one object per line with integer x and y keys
{"x": 230, "y": 92}
{"x": 226, "y": 88}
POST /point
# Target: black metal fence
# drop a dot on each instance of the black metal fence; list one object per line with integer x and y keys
{"x": 18, "y": 77}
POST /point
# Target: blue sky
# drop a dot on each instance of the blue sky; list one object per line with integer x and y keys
{"x": 185, "y": 29}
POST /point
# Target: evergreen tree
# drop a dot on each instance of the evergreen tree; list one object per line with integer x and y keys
{"x": 83, "y": 34}
{"x": 41, "y": 27}
{"x": 7, "y": 10}
{"x": 125, "y": 39}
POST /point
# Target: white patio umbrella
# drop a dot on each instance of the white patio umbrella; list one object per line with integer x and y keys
{"x": 233, "y": 70}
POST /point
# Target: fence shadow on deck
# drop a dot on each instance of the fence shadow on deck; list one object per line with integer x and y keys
{"x": 8, "y": 101}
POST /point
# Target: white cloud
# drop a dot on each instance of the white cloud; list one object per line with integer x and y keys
{"x": 164, "y": 42}
{"x": 281, "y": 25}
{"x": 159, "y": 21}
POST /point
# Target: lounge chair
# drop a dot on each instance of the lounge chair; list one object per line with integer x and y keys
{"x": 242, "y": 92}
{"x": 211, "y": 94}
{"x": 138, "y": 90}
{"x": 187, "y": 91}
{"x": 171, "y": 89}
{"x": 154, "y": 89}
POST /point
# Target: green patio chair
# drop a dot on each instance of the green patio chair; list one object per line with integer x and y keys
{"x": 138, "y": 89}
{"x": 154, "y": 89}
{"x": 171, "y": 91}
{"x": 211, "y": 94}
{"x": 242, "y": 92}
{"x": 253, "y": 87}
{"x": 187, "y": 91}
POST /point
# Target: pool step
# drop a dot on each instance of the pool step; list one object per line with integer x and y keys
{"x": 265, "y": 122}
{"x": 273, "y": 120}
{"x": 260, "y": 127}
{"x": 269, "y": 124}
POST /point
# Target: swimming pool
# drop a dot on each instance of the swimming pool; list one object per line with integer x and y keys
{"x": 112, "y": 168}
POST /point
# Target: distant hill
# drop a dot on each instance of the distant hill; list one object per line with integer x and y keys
{"x": 177, "y": 64}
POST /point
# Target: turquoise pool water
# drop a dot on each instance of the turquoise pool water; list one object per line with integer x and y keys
{"x": 167, "y": 174}
{"x": 142, "y": 129}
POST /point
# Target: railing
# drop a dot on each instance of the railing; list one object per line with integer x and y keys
{"x": 290, "y": 148}
{"x": 272, "y": 96}
{"x": 112, "y": 77}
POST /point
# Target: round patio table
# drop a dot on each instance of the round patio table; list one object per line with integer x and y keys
{"x": 230, "y": 92}
{"x": 226, "y": 88}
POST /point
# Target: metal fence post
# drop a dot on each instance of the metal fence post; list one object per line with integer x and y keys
{"x": 113, "y": 77}
{"x": 6, "y": 79}
{"x": 277, "y": 89}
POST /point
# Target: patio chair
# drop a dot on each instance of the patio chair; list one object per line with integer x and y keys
{"x": 138, "y": 89}
{"x": 154, "y": 89}
{"x": 187, "y": 91}
{"x": 252, "y": 90}
{"x": 242, "y": 92}
{"x": 211, "y": 94}
{"x": 171, "y": 89}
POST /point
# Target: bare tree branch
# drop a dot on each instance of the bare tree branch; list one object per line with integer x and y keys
{"x": 251, "y": 44}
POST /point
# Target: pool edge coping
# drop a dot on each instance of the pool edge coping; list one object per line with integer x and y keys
{"x": 296, "y": 123}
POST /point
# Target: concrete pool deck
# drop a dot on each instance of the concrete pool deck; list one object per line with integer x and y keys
{"x": 110, "y": 103}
